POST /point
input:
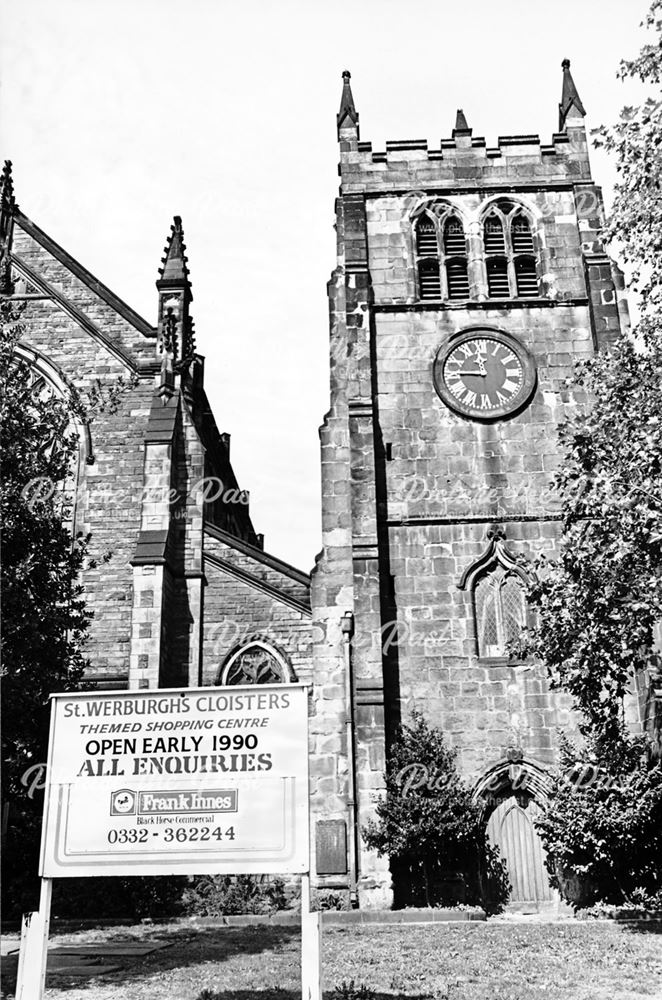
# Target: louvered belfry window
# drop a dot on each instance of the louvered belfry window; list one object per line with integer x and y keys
{"x": 498, "y": 285}
{"x": 441, "y": 258}
{"x": 428, "y": 279}
{"x": 457, "y": 278}
{"x": 510, "y": 254}
{"x": 427, "y": 252}
{"x": 526, "y": 276}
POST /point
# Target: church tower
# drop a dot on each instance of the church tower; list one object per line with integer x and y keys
{"x": 470, "y": 278}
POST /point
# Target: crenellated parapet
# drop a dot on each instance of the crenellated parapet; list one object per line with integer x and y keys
{"x": 465, "y": 161}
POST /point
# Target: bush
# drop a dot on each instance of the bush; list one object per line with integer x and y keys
{"x": 224, "y": 895}
{"x": 431, "y": 829}
{"x": 602, "y": 828}
{"x": 134, "y": 898}
{"x": 329, "y": 900}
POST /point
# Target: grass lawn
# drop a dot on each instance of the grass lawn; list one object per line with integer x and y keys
{"x": 472, "y": 961}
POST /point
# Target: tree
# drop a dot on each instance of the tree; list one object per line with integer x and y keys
{"x": 635, "y": 223}
{"x": 428, "y": 821}
{"x": 45, "y": 620}
{"x": 602, "y": 829}
{"x": 598, "y": 603}
{"x": 44, "y": 616}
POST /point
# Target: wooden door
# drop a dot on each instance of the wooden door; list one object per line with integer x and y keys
{"x": 511, "y": 829}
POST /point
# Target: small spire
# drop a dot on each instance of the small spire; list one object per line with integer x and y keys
{"x": 7, "y": 200}
{"x": 348, "y": 117}
{"x": 7, "y": 207}
{"x": 175, "y": 261}
{"x": 461, "y": 127}
{"x": 176, "y": 339}
{"x": 569, "y": 98}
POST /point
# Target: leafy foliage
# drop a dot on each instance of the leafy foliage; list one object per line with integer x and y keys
{"x": 327, "y": 899}
{"x": 133, "y": 898}
{"x": 636, "y": 142}
{"x": 599, "y": 602}
{"x": 45, "y": 620}
{"x": 219, "y": 895}
{"x": 350, "y": 991}
{"x": 434, "y": 822}
{"x": 603, "y": 826}
{"x": 44, "y": 616}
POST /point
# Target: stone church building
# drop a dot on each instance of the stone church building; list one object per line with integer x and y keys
{"x": 469, "y": 280}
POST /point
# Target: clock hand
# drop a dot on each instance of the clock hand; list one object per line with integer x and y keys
{"x": 472, "y": 372}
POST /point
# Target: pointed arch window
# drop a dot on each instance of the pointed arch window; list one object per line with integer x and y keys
{"x": 441, "y": 257}
{"x": 500, "y": 611}
{"x": 497, "y": 585}
{"x": 255, "y": 663}
{"x": 510, "y": 253}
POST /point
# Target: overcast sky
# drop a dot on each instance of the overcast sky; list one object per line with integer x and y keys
{"x": 119, "y": 114}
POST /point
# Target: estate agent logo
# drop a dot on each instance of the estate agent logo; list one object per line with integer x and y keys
{"x": 122, "y": 802}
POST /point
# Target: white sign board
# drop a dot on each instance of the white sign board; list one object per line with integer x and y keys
{"x": 177, "y": 782}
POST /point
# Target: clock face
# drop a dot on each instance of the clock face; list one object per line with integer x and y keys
{"x": 484, "y": 374}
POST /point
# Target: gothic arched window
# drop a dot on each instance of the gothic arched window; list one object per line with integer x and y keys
{"x": 255, "y": 663}
{"x": 509, "y": 253}
{"x": 500, "y": 611}
{"x": 441, "y": 257}
{"x": 497, "y": 584}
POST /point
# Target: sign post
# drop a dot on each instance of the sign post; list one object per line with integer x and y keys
{"x": 176, "y": 782}
{"x": 311, "y": 946}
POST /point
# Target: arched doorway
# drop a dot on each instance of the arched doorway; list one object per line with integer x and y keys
{"x": 511, "y": 794}
{"x": 510, "y": 828}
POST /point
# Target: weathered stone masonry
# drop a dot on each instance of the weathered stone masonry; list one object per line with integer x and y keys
{"x": 419, "y": 502}
{"x": 425, "y": 510}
